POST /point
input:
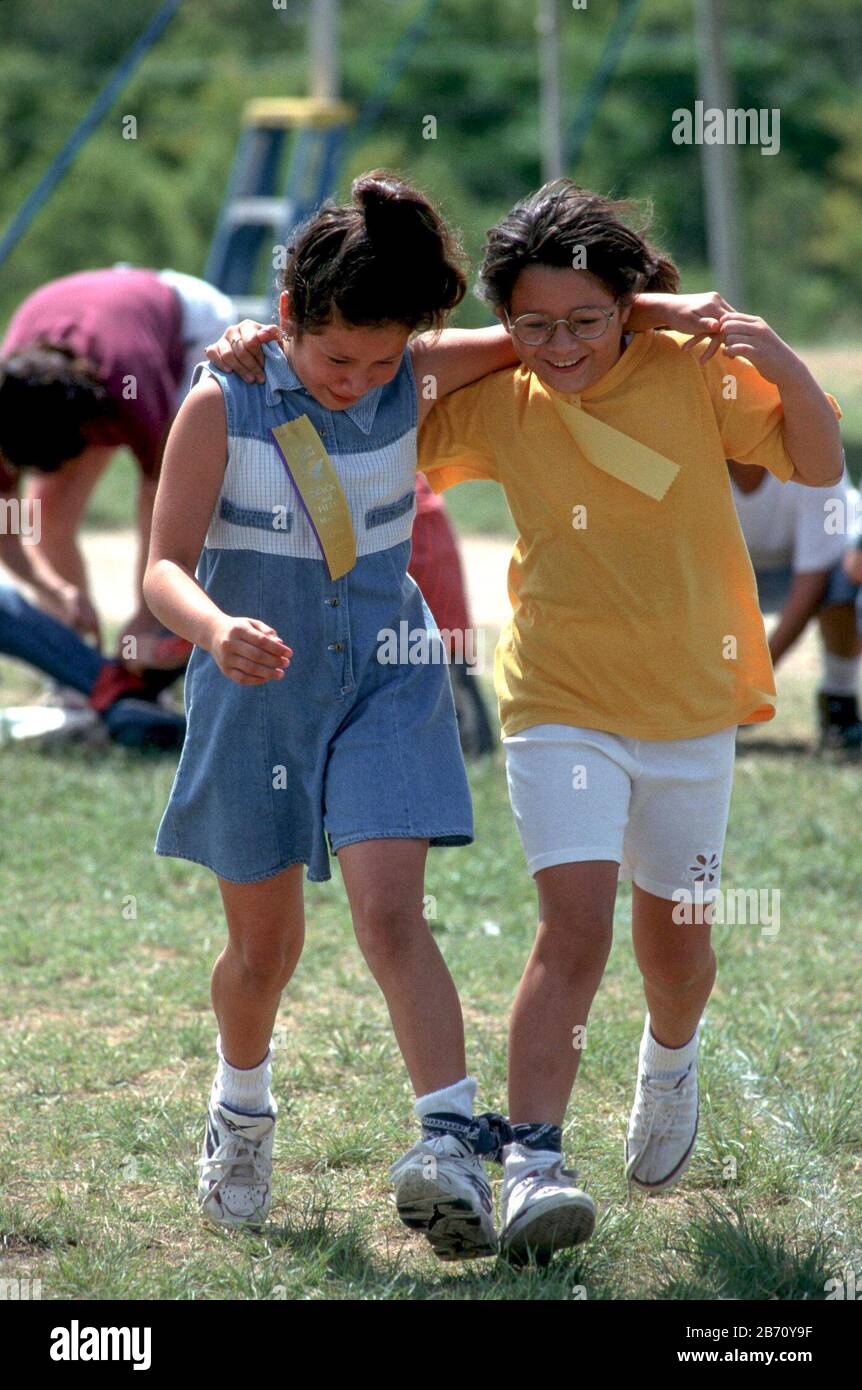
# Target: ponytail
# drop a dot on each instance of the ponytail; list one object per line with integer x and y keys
{"x": 386, "y": 257}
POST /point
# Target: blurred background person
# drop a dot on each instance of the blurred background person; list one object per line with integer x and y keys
{"x": 90, "y": 363}
{"x": 125, "y": 703}
{"x": 435, "y": 564}
{"x": 798, "y": 557}
{"x": 853, "y": 568}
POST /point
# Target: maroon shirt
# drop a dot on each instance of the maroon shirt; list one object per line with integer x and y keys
{"x": 127, "y": 323}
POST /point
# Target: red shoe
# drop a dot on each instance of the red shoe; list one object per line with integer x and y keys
{"x": 113, "y": 683}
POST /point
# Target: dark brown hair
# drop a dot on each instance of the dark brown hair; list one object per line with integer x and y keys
{"x": 552, "y": 226}
{"x": 386, "y": 257}
{"x": 48, "y": 396}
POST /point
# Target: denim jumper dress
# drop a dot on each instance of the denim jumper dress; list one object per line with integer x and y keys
{"x": 350, "y": 743}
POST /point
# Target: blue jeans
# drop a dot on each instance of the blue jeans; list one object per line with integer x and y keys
{"x": 773, "y": 588}
{"x": 30, "y": 635}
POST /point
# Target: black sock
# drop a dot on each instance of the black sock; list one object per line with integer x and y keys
{"x": 442, "y": 1122}
{"x": 539, "y": 1136}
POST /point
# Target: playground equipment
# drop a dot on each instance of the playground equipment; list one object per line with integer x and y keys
{"x": 257, "y": 200}
{"x": 62, "y": 162}
{"x": 255, "y": 213}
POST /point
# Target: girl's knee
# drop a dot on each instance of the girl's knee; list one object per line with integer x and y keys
{"x": 575, "y": 942}
{"x": 386, "y": 925}
{"x": 268, "y": 965}
{"x": 681, "y": 973}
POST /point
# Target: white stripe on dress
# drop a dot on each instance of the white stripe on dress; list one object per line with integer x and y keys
{"x": 264, "y": 512}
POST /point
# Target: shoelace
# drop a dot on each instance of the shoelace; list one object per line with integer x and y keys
{"x": 237, "y": 1160}
{"x": 531, "y": 1182}
{"x": 555, "y": 1171}
{"x": 663, "y": 1103}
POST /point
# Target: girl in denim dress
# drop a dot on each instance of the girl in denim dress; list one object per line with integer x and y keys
{"x": 301, "y": 726}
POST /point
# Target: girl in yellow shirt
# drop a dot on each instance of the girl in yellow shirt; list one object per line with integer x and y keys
{"x": 635, "y": 649}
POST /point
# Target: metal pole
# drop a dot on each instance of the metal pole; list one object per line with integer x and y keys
{"x": 102, "y": 104}
{"x": 323, "y": 49}
{"x": 600, "y": 80}
{"x": 548, "y": 26}
{"x": 718, "y": 162}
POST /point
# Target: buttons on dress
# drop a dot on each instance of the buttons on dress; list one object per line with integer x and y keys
{"x": 336, "y": 646}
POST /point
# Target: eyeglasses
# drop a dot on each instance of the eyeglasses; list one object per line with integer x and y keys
{"x": 590, "y": 321}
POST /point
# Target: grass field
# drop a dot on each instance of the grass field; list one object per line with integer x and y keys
{"x": 108, "y": 1054}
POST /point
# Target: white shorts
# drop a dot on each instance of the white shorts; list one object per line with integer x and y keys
{"x": 658, "y": 808}
{"x": 206, "y": 314}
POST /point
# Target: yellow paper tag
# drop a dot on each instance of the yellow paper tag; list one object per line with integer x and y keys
{"x": 313, "y": 474}
{"x": 616, "y": 453}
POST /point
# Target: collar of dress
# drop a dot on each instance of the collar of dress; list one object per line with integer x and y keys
{"x": 280, "y": 376}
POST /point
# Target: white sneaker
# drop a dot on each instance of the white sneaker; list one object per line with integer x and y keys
{"x": 441, "y": 1191}
{"x": 543, "y": 1208}
{"x": 49, "y": 725}
{"x": 662, "y": 1130}
{"x": 235, "y": 1186}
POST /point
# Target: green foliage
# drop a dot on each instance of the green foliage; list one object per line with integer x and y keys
{"x": 154, "y": 200}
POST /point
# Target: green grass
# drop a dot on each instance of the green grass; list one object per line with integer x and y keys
{"x": 839, "y": 370}
{"x": 112, "y": 505}
{"x": 108, "y": 1054}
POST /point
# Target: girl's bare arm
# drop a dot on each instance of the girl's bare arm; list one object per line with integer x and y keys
{"x": 192, "y": 472}
{"x": 812, "y": 438}
{"x": 246, "y": 649}
{"x": 445, "y": 361}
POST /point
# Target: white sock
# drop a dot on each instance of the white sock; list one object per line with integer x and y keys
{"x": 517, "y": 1156}
{"x": 245, "y": 1088}
{"x": 666, "y": 1063}
{"x": 456, "y": 1099}
{"x": 840, "y": 674}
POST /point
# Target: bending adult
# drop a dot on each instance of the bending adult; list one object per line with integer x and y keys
{"x": 90, "y": 363}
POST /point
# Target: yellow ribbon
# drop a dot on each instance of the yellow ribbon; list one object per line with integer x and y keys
{"x": 313, "y": 474}
{"x": 616, "y": 453}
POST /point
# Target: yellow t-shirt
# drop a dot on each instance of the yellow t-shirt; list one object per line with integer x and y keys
{"x": 636, "y": 616}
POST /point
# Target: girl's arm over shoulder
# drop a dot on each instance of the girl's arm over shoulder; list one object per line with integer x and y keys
{"x": 245, "y": 649}
{"x": 697, "y": 314}
{"x": 812, "y": 439}
{"x": 455, "y": 357}
{"x": 240, "y": 348}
